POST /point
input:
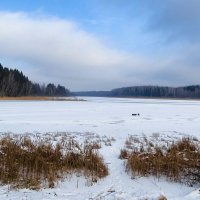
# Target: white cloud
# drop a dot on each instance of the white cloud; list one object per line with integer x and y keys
{"x": 57, "y": 46}
{"x": 57, "y": 50}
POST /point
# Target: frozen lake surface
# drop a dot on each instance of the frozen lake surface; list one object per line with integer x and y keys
{"x": 111, "y": 117}
{"x": 101, "y": 115}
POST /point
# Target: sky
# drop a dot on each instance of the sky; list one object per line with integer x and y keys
{"x": 102, "y": 44}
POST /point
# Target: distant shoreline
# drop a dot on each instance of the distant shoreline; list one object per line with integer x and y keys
{"x": 47, "y": 98}
{"x": 40, "y": 98}
{"x": 159, "y": 98}
{"x": 156, "y": 98}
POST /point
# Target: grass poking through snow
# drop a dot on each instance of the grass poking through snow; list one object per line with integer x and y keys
{"x": 28, "y": 164}
{"x": 179, "y": 161}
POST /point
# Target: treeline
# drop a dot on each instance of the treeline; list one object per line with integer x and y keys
{"x": 14, "y": 83}
{"x": 192, "y": 91}
{"x": 93, "y": 93}
{"x": 157, "y": 91}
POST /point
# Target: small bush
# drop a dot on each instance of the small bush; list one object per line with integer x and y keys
{"x": 162, "y": 198}
{"x": 28, "y": 164}
{"x": 180, "y": 162}
{"x": 123, "y": 154}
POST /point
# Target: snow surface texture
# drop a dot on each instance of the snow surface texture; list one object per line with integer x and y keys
{"x": 113, "y": 118}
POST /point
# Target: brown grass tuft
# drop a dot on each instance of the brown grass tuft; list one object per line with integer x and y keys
{"x": 123, "y": 154}
{"x": 162, "y": 197}
{"x": 28, "y": 164}
{"x": 179, "y": 162}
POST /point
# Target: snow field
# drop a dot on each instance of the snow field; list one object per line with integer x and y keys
{"x": 113, "y": 118}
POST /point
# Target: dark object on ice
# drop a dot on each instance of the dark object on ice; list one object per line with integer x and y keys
{"x": 136, "y": 114}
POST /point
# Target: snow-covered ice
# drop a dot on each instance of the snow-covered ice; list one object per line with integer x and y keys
{"x": 111, "y": 117}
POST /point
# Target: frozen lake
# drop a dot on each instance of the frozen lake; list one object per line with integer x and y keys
{"x": 111, "y": 117}
{"x": 104, "y": 116}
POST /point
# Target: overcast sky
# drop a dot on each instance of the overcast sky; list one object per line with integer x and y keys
{"x": 102, "y": 44}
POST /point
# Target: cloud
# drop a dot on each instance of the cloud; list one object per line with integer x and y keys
{"x": 176, "y": 20}
{"x": 50, "y": 49}
{"x": 59, "y": 50}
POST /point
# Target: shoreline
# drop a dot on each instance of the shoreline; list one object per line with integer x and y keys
{"x": 161, "y": 98}
{"x": 156, "y": 98}
{"x": 79, "y": 98}
{"x": 40, "y": 98}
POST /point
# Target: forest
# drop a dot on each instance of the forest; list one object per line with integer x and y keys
{"x": 192, "y": 91}
{"x": 14, "y": 83}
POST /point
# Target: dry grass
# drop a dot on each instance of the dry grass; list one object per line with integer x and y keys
{"x": 179, "y": 162}
{"x": 123, "y": 154}
{"x": 40, "y": 98}
{"x": 28, "y": 164}
{"x": 162, "y": 198}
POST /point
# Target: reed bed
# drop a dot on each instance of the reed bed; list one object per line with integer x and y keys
{"x": 40, "y": 98}
{"x": 179, "y": 161}
{"x": 25, "y": 163}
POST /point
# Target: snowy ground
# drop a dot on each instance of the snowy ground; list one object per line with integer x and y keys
{"x": 111, "y": 117}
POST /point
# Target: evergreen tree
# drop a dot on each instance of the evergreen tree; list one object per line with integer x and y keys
{"x": 14, "y": 83}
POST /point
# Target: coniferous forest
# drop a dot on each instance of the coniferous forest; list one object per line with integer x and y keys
{"x": 192, "y": 91}
{"x": 14, "y": 83}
